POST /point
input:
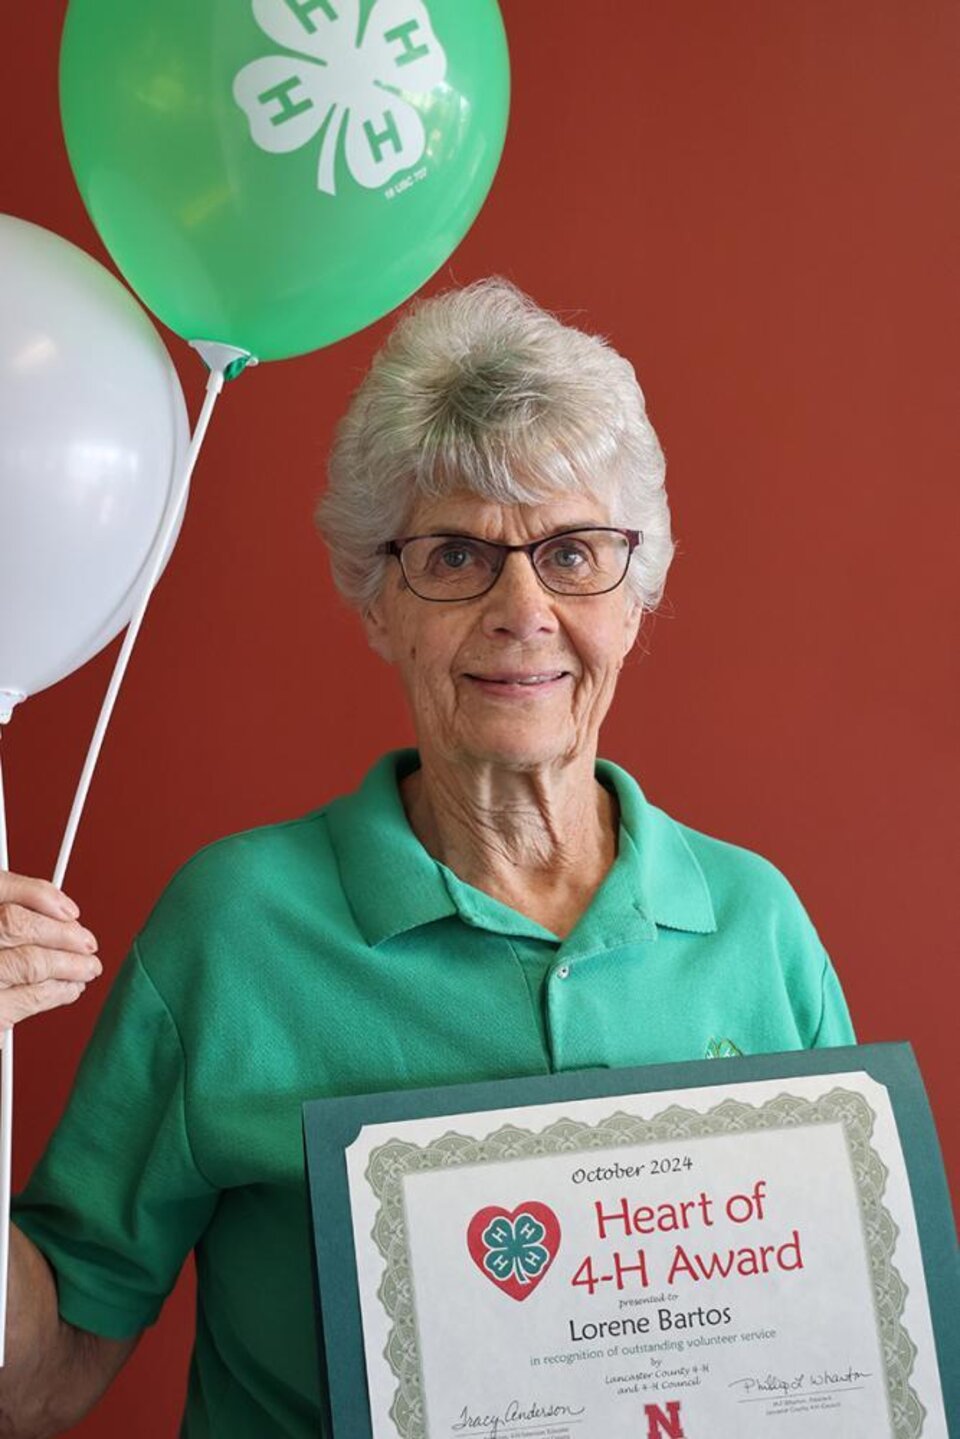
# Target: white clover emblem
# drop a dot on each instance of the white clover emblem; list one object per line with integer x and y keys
{"x": 338, "y": 82}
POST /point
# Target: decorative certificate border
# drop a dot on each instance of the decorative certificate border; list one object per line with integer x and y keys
{"x": 390, "y": 1162}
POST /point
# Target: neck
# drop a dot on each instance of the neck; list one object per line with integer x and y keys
{"x": 540, "y": 840}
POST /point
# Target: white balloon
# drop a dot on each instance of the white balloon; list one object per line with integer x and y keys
{"x": 93, "y": 436}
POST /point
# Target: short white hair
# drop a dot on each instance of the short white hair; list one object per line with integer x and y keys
{"x": 479, "y": 389}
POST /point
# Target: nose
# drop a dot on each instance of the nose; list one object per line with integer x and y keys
{"x": 518, "y": 606}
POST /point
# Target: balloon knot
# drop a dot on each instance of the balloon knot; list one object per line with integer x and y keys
{"x": 226, "y": 360}
{"x": 236, "y": 367}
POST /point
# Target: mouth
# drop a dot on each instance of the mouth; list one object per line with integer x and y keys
{"x": 519, "y": 683}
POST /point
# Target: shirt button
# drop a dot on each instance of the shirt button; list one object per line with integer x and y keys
{"x": 563, "y": 971}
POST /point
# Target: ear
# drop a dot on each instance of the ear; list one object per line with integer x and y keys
{"x": 631, "y": 625}
{"x": 378, "y": 631}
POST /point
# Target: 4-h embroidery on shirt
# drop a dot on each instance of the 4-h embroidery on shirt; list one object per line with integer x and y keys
{"x": 722, "y": 1049}
{"x": 346, "y": 86}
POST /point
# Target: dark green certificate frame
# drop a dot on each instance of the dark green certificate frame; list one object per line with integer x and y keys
{"x": 331, "y": 1126}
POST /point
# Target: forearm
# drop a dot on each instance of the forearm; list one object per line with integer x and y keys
{"x": 53, "y": 1372}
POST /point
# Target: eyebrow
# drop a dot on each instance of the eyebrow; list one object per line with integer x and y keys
{"x": 461, "y": 534}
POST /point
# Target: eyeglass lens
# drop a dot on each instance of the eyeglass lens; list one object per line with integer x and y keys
{"x": 458, "y": 567}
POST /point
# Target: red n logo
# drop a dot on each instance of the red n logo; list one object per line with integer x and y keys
{"x": 664, "y": 1426}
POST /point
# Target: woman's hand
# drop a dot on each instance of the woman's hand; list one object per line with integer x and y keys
{"x": 46, "y": 955}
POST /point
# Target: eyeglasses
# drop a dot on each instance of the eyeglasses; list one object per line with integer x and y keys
{"x": 462, "y": 567}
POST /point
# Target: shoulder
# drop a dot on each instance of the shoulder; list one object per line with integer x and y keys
{"x": 240, "y": 891}
{"x": 259, "y": 894}
{"x": 763, "y": 934}
{"x": 766, "y": 953}
{"x": 250, "y": 857}
{"x": 740, "y": 881}
{"x": 698, "y": 881}
{"x": 773, "y": 946}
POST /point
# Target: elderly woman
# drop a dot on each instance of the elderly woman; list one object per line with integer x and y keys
{"x": 496, "y": 902}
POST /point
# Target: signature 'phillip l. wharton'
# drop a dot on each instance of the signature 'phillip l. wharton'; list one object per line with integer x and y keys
{"x": 795, "y": 1383}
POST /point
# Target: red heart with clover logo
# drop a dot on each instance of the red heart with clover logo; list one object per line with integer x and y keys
{"x": 514, "y": 1248}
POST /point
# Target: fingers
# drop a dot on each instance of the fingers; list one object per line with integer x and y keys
{"x": 38, "y": 894}
{"x": 31, "y": 965}
{"x": 47, "y": 957}
{"x": 20, "y": 925}
{"x": 23, "y": 1003}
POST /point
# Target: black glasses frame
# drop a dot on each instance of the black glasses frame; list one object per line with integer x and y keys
{"x": 396, "y": 548}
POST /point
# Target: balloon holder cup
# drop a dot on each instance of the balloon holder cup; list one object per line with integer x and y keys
{"x": 9, "y": 699}
{"x": 225, "y": 360}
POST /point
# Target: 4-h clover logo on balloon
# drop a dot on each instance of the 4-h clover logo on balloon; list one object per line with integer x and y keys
{"x": 340, "y": 81}
{"x": 514, "y": 1248}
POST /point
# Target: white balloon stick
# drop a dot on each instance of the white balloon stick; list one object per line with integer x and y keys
{"x": 220, "y": 358}
{"x": 6, "y": 1120}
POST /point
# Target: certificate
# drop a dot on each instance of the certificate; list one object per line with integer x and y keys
{"x": 722, "y": 1249}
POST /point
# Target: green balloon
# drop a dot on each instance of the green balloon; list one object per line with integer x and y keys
{"x": 276, "y": 174}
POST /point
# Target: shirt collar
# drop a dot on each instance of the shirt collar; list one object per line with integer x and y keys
{"x": 393, "y": 885}
{"x": 658, "y": 859}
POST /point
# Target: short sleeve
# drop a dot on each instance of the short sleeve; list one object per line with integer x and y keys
{"x": 819, "y": 1008}
{"x": 117, "y": 1201}
{"x": 835, "y": 1027}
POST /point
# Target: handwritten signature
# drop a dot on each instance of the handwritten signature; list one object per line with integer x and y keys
{"x": 821, "y": 1379}
{"x": 490, "y": 1425}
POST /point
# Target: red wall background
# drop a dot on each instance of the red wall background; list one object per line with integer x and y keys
{"x": 755, "y": 202}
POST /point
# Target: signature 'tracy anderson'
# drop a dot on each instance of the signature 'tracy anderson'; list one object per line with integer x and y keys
{"x": 490, "y": 1425}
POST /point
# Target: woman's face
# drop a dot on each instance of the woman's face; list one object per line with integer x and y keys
{"x": 461, "y": 663}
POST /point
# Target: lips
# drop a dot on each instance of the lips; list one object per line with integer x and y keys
{"x": 540, "y": 678}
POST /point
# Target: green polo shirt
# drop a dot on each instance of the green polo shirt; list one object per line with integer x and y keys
{"x": 332, "y": 955}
